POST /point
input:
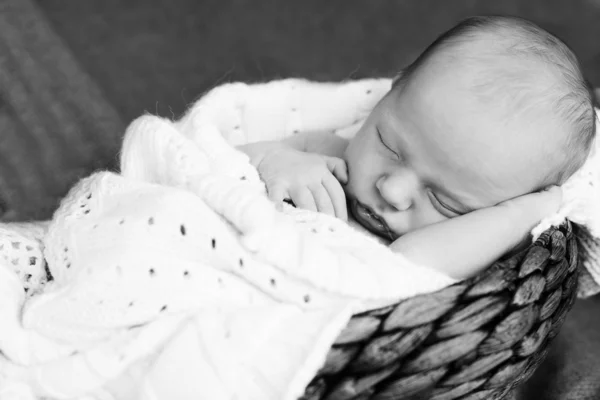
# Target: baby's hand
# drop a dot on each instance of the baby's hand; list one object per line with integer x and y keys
{"x": 311, "y": 181}
{"x": 534, "y": 207}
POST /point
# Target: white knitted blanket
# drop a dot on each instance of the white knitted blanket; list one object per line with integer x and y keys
{"x": 178, "y": 279}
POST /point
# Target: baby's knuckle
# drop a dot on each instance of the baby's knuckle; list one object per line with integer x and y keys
{"x": 276, "y": 185}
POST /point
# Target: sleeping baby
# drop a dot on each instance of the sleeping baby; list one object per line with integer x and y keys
{"x": 178, "y": 278}
{"x": 461, "y": 158}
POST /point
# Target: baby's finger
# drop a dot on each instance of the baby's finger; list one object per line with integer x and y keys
{"x": 338, "y": 168}
{"x": 337, "y": 197}
{"x": 322, "y": 200}
{"x": 277, "y": 194}
{"x": 303, "y": 198}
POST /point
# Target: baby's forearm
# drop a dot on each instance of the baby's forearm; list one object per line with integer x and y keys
{"x": 464, "y": 246}
{"x": 327, "y": 144}
{"x": 256, "y": 151}
{"x": 320, "y": 143}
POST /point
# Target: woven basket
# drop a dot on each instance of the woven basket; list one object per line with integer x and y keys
{"x": 474, "y": 340}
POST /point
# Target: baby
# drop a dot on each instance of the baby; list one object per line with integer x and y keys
{"x": 461, "y": 158}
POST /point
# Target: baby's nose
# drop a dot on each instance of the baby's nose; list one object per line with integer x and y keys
{"x": 398, "y": 190}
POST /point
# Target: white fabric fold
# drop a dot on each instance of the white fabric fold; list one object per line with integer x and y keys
{"x": 178, "y": 276}
{"x": 581, "y": 205}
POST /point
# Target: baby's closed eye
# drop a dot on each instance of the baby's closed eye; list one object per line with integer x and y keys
{"x": 386, "y": 145}
{"x": 441, "y": 206}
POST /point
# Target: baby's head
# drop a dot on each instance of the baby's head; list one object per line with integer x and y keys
{"x": 494, "y": 109}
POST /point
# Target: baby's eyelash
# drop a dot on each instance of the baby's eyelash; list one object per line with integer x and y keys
{"x": 442, "y": 205}
{"x": 384, "y": 144}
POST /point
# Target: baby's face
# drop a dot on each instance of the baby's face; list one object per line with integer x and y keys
{"x": 431, "y": 151}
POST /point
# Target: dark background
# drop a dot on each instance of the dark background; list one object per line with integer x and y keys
{"x": 158, "y": 56}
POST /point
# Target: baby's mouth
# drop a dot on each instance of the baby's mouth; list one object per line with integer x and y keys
{"x": 368, "y": 218}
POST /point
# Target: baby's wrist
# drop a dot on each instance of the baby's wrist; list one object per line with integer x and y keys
{"x": 520, "y": 213}
{"x": 517, "y": 210}
{"x": 537, "y": 206}
{"x": 528, "y": 210}
{"x": 257, "y": 152}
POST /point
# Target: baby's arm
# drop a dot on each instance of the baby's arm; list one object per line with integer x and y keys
{"x": 464, "y": 246}
{"x": 325, "y": 144}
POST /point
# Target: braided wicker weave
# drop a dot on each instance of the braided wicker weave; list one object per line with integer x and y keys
{"x": 474, "y": 340}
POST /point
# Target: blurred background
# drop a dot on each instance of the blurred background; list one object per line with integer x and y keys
{"x": 159, "y": 55}
{"x": 74, "y": 73}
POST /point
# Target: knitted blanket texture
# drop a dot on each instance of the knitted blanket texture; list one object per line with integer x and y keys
{"x": 177, "y": 278}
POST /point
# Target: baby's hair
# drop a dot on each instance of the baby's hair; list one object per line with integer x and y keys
{"x": 569, "y": 94}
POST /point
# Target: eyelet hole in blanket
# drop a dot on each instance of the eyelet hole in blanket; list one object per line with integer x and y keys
{"x": 25, "y": 257}
{"x": 474, "y": 340}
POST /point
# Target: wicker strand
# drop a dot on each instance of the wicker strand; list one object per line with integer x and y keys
{"x": 474, "y": 340}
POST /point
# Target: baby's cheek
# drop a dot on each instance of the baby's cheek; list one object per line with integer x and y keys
{"x": 424, "y": 216}
{"x": 362, "y": 179}
{"x": 351, "y": 187}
